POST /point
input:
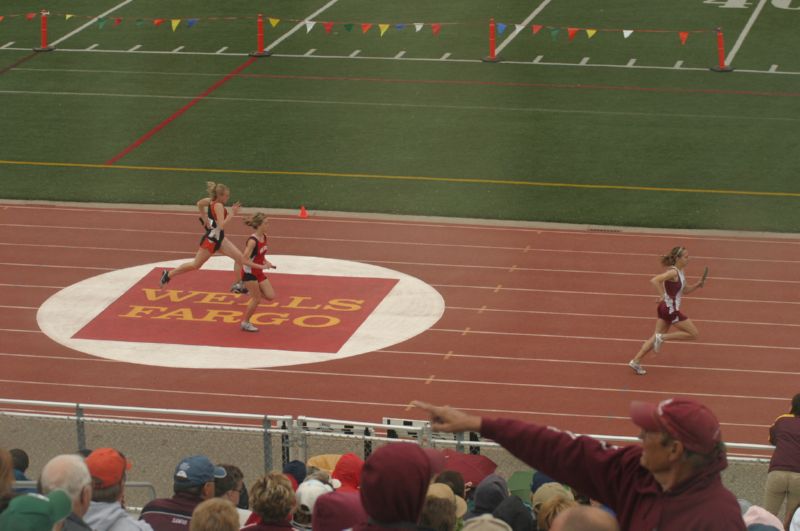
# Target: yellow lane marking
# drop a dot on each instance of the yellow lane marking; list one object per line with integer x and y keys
{"x": 405, "y": 178}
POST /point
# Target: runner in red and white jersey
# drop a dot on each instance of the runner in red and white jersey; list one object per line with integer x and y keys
{"x": 214, "y": 217}
{"x": 257, "y": 283}
{"x": 670, "y": 285}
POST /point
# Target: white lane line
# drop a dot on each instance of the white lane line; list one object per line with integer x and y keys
{"x": 134, "y": 48}
{"x": 445, "y": 56}
{"x": 310, "y": 52}
{"x": 24, "y": 286}
{"x": 178, "y": 49}
{"x": 522, "y": 26}
{"x": 400, "y": 55}
{"x": 470, "y": 225}
{"x": 92, "y": 22}
{"x": 355, "y": 53}
{"x": 460, "y": 332}
{"x": 7, "y": 45}
{"x": 301, "y": 24}
{"x": 678, "y": 64}
{"x": 93, "y": 46}
{"x": 584, "y": 61}
{"x": 221, "y": 49}
{"x": 743, "y": 35}
{"x": 773, "y": 69}
{"x": 538, "y": 59}
{"x": 329, "y": 374}
{"x": 61, "y": 266}
{"x": 631, "y": 62}
{"x": 576, "y": 362}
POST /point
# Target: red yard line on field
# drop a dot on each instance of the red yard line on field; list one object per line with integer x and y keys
{"x": 579, "y": 86}
{"x": 589, "y": 363}
{"x": 12, "y": 66}
{"x": 144, "y": 138}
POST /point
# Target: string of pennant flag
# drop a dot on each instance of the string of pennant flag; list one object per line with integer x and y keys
{"x": 363, "y": 27}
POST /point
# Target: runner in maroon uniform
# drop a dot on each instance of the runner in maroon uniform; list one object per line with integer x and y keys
{"x": 670, "y": 285}
{"x": 214, "y": 216}
{"x": 255, "y": 279}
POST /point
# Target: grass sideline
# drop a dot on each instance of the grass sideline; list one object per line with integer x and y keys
{"x": 615, "y": 144}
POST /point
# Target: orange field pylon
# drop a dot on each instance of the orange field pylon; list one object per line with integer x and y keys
{"x": 303, "y": 212}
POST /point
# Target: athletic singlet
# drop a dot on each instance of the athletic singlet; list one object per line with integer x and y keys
{"x": 673, "y": 290}
{"x": 259, "y": 253}
{"x": 212, "y": 232}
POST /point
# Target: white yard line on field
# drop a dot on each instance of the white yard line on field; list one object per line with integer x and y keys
{"x": 745, "y": 31}
{"x": 522, "y": 26}
{"x": 90, "y": 23}
{"x": 301, "y": 24}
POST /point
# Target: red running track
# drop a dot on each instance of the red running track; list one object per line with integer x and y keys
{"x": 539, "y": 322}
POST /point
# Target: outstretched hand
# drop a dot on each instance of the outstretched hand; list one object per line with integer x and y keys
{"x": 236, "y": 206}
{"x": 448, "y": 419}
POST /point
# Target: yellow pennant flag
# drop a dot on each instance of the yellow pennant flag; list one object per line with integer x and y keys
{"x": 175, "y": 23}
{"x": 383, "y": 28}
{"x": 274, "y": 22}
{"x": 590, "y": 32}
{"x": 67, "y": 17}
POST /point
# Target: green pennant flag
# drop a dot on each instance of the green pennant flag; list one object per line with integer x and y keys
{"x": 101, "y": 22}
{"x": 348, "y": 27}
{"x": 554, "y": 33}
{"x": 139, "y": 23}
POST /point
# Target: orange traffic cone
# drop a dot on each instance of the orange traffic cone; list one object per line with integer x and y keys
{"x": 303, "y": 212}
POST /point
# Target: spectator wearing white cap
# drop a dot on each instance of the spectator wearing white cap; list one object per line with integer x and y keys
{"x": 306, "y": 495}
{"x": 193, "y": 482}
{"x": 108, "y": 469}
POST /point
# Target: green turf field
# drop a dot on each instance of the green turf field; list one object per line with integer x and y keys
{"x": 606, "y": 129}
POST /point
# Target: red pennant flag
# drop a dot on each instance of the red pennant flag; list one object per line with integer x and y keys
{"x": 683, "y": 35}
{"x": 2, "y": 17}
{"x": 436, "y": 28}
{"x": 117, "y": 21}
{"x": 30, "y": 16}
{"x": 571, "y": 32}
{"x": 328, "y": 26}
{"x": 158, "y": 21}
{"x": 536, "y": 28}
{"x": 365, "y": 27}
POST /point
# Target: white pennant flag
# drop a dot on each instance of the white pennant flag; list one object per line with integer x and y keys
{"x": 418, "y": 26}
{"x": 627, "y": 33}
{"x": 309, "y": 25}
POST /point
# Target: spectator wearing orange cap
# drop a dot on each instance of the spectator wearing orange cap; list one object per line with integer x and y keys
{"x": 671, "y": 482}
{"x": 108, "y": 469}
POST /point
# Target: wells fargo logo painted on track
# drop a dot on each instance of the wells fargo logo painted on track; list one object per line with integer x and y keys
{"x": 326, "y": 309}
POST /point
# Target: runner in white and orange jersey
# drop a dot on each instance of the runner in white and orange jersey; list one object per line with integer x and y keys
{"x": 257, "y": 283}
{"x": 214, "y": 217}
{"x": 670, "y": 285}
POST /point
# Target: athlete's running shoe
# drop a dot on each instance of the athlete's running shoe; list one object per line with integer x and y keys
{"x": 164, "y": 278}
{"x": 657, "y": 342}
{"x": 239, "y": 287}
{"x": 247, "y": 326}
{"x": 638, "y": 369}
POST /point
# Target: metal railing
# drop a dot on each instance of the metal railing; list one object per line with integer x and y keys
{"x": 295, "y": 433}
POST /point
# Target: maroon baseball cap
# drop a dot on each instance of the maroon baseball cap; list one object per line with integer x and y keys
{"x": 688, "y": 421}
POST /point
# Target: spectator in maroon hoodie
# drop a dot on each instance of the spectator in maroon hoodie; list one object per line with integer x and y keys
{"x": 671, "y": 482}
{"x": 394, "y": 483}
{"x": 783, "y": 479}
{"x": 348, "y": 472}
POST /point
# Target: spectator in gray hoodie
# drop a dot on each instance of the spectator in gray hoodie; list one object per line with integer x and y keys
{"x": 108, "y": 469}
{"x": 490, "y": 493}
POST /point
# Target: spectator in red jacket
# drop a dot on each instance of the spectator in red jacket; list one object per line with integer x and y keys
{"x": 671, "y": 482}
{"x": 783, "y": 479}
{"x": 348, "y": 471}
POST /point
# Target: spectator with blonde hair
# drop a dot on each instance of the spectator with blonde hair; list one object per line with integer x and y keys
{"x": 551, "y": 509}
{"x": 216, "y": 514}
{"x": 273, "y": 501}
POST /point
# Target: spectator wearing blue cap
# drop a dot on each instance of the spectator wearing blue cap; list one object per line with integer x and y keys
{"x": 193, "y": 482}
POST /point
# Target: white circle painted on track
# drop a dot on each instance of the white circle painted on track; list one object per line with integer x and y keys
{"x": 410, "y": 308}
